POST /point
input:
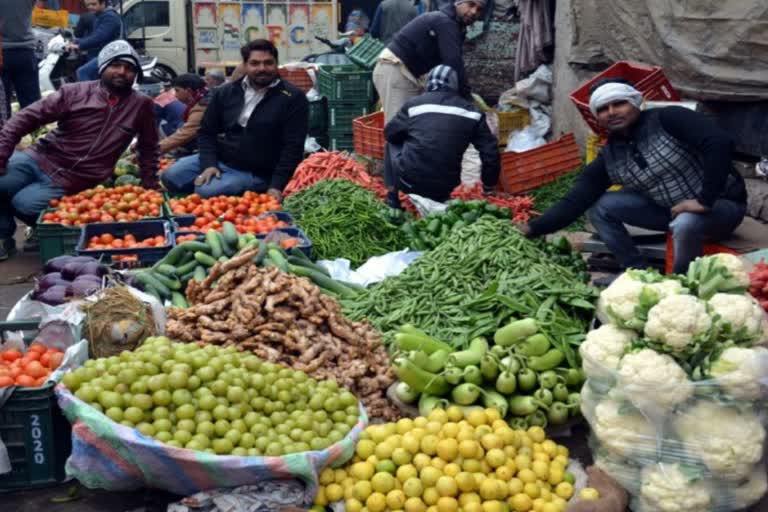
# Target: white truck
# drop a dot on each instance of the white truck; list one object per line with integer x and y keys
{"x": 192, "y": 35}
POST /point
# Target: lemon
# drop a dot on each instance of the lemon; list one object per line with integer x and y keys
{"x": 550, "y": 507}
{"x": 378, "y": 433}
{"x": 521, "y": 503}
{"x": 404, "y": 425}
{"x": 479, "y": 479}
{"x": 413, "y": 487}
{"x": 471, "y": 465}
{"x": 562, "y": 459}
{"x": 564, "y": 490}
{"x": 405, "y": 472}
{"x": 504, "y": 473}
{"x": 372, "y": 460}
{"x": 538, "y": 504}
{"x": 515, "y": 486}
{"x": 465, "y": 481}
{"x": 386, "y": 466}
{"x": 401, "y": 456}
{"x": 495, "y": 457}
{"x": 472, "y": 507}
{"x": 488, "y": 489}
{"x": 510, "y": 451}
{"x": 481, "y": 431}
{"x": 447, "y": 449}
{"x": 362, "y": 470}
{"x": 449, "y": 430}
{"x": 430, "y": 496}
{"x": 527, "y": 476}
{"x": 477, "y": 417}
{"x": 434, "y": 427}
{"x": 421, "y": 460}
{"x": 545, "y": 494}
{"x": 537, "y": 434}
{"x": 560, "y": 503}
{"x": 447, "y": 486}
{"x": 376, "y": 502}
{"x": 383, "y": 482}
{"x": 334, "y": 492}
{"x": 384, "y": 450}
{"x": 454, "y": 414}
{"x": 429, "y": 476}
{"x": 410, "y": 443}
{"x": 522, "y": 461}
{"x": 466, "y": 433}
{"x": 556, "y": 475}
{"x": 365, "y": 448}
{"x": 395, "y": 499}
{"x": 468, "y": 448}
{"x": 493, "y": 506}
{"x": 415, "y": 505}
{"x": 490, "y": 441}
{"x": 541, "y": 469}
{"x": 562, "y": 450}
{"x": 508, "y": 436}
{"x": 353, "y": 505}
{"x": 428, "y": 444}
{"x": 451, "y": 469}
{"x": 362, "y": 490}
{"x": 532, "y": 490}
{"x": 438, "y": 463}
{"x": 589, "y": 494}
{"x": 447, "y": 504}
{"x": 339, "y": 475}
{"x": 326, "y": 476}
{"x": 468, "y": 497}
{"x": 320, "y": 498}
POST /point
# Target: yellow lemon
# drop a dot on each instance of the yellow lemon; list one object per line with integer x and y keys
{"x": 499, "y": 424}
{"x": 515, "y": 486}
{"x": 541, "y": 469}
{"x": 471, "y": 465}
{"x": 353, "y": 505}
{"x": 488, "y": 489}
{"x": 365, "y": 448}
{"x": 472, "y": 507}
{"x": 532, "y": 490}
{"x": 395, "y": 499}
{"x": 468, "y": 497}
{"x": 415, "y": 505}
{"x": 405, "y": 472}
{"x": 589, "y": 494}
{"x": 334, "y": 492}
{"x": 438, "y": 463}
{"x": 404, "y": 425}
{"x": 465, "y": 481}
{"x": 362, "y": 470}
{"x": 413, "y": 487}
{"x": 468, "y": 448}
{"x": 320, "y": 498}
{"x": 383, "y": 482}
{"x": 450, "y": 430}
{"x": 418, "y": 432}
{"x": 376, "y": 502}
{"x": 562, "y": 459}
{"x": 493, "y": 506}
{"x": 326, "y": 476}
{"x": 538, "y": 504}
{"x": 510, "y": 451}
{"x": 490, "y": 441}
{"x": 447, "y": 449}
{"x": 362, "y": 490}
{"x": 421, "y": 460}
{"x": 434, "y": 427}
{"x": 410, "y": 443}
{"x": 537, "y": 434}
{"x": 555, "y": 475}
{"x": 527, "y": 476}
{"x": 477, "y": 417}
{"x": 550, "y": 507}
{"x": 495, "y": 457}
{"x": 446, "y": 486}
{"x": 520, "y": 502}
{"x": 454, "y": 413}
{"x": 508, "y": 436}
{"x": 429, "y": 444}
{"x": 522, "y": 462}
{"x": 481, "y": 431}
{"x": 401, "y": 456}
{"x": 339, "y": 475}
{"x": 560, "y": 503}
{"x": 384, "y": 450}
{"x": 438, "y": 415}
{"x": 564, "y": 490}
{"x": 447, "y": 504}
{"x": 562, "y": 450}
{"x": 429, "y": 476}
{"x": 466, "y": 433}
{"x": 420, "y": 422}
{"x": 451, "y": 469}
{"x": 431, "y": 495}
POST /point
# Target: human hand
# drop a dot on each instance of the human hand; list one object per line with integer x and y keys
{"x": 689, "y": 205}
{"x": 276, "y": 194}
{"x": 207, "y": 175}
{"x": 524, "y": 228}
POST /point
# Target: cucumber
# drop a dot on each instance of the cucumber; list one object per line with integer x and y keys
{"x": 259, "y": 258}
{"x": 245, "y": 240}
{"x": 214, "y": 242}
{"x": 173, "y": 256}
{"x": 205, "y": 259}
{"x": 194, "y": 246}
{"x": 166, "y": 269}
{"x": 302, "y": 262}
{"x": 149, "y": 279}
{"x": 199, "y": 273}
{"x": 229, "y": 233}
{"x": 223, "y": 258}
{"x": 188, "y": 256}
{"x": 170, "y": 283}
{"x": 185, "y": 278}
{"x": 178, "y": 300}
{"x": 278, "y": 257}
{"x": 187, "y": 267}
{"x": 228, "y": 249}
{"x": 153, "y": 292}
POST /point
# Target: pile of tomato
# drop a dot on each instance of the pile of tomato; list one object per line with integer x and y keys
{"x": 109, "y": 241}
{"x": 239, "y": 210}
{"x": 164, "y": 163}
{"x": 243, "y": 223}
{"x": 100, "y": 204}
{"x": 30, "y": 369}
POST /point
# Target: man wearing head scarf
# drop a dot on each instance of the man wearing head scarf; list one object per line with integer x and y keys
{"x": 676, "y": 174}
{"x": 96, "y": 121}
{"x": 428, "y": 137}
{"x": 426, "y": 41}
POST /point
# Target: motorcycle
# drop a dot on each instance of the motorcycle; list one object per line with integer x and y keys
{"x": 338, "y": 53}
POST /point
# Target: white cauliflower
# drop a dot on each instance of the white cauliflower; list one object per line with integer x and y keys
{"x": 749, "y": 492}
{"x": 742, "y": 372}
{"x": 627, "y": 300}
{"x": 653, "y": 382}
{"x": 720, "y": 272}
{"x": 728, "y": 441}
{"x": 603, "y": 348}
{"x": 625, "y": 473}
{"x": 677, "y": 320}
{"x": 740, "y": 315}
{"x": 666, "y": 488}
{"x": 623, "y": 432}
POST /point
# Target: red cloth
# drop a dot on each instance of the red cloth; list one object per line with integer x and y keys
{"x": 196, "y": 97}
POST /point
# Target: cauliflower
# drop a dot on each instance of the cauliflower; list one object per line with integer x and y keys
{"x": 653, "y": 382}
{"x": 626, "y": 474}
{"x": 728, "y": 441}
{"x": 741, "y": 317}
{"x": 677, "y": 320}
{"x": 742, "y": 372}
{"x": 627, "y": 300}
{"x": 623, "y": 432}
{"x": 749, "y": 492}
{"x": 603, "y": 348}
{"x": 720, "y": 272}
{"x": 667, "y": 488}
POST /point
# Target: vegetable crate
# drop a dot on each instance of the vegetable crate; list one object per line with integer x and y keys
{"x": 341, "y": 114}
{"x": 340, "y": 141}
{"x": 594, "y": 144}
{"x": 55, "y": 239}
{"x": 146, "y": 256}
{"x": 281, "y": 234}
{"x": 34, "y": 430}
{"x": 366, "y": 52}
{"x": 510, "y": 122}
{"x": 299, "y": 77}
{"x": 531, "y": 169}
{"x": 709, "y": 248}
{"x": 649, "y": 80}
{"x": 318, "y": 117}
{"x": 368, "y": 134}
{"x": 346, "y": 83}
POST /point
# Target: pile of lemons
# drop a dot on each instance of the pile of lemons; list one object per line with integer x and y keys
{"x": 450, "y": 462}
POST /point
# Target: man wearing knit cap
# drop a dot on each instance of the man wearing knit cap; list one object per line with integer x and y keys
{"x": 676, "y": 174}
{"x": 96, "y": 122}
{"x": 426, "y": 41}
{"x": 427, "y": 139}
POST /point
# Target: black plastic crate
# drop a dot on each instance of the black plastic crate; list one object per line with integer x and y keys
{"x": 147, "y": 256}
{"x": 276, "y": 236}
{"x": 318, "y": 116}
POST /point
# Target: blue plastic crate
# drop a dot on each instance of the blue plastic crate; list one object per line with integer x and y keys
{"x": 281, "y": 216}
{"x": 280, "y": 234}
{"x": 141, "y": 229}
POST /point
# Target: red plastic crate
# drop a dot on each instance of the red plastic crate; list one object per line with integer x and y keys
{"x": 531, "y": 169}
{"x": 649, "y": 80}
{"x": 298, "y": 77}
{"x": 368, "y": 134}
{"x": 709, "y": 248}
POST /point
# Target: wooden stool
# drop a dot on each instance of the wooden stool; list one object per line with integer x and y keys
{"x": 709, "y": 248}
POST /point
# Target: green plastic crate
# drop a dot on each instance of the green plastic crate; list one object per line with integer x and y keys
{"x": 340, "y": 141}
{"x": 341, "y": 115}
{"x": 35, "y": 432}
{"x": 366, "y": 52}
{"x": 346, "y": 83}
{"x": 318, "y": 116}
{"x": 55, "y": 239}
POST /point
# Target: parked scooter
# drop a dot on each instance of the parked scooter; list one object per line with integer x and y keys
{"x": 338, "y": 53}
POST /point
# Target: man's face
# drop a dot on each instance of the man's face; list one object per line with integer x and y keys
{"x": 119, "y": 76}
{"x": 210, "y": 81}
{"x": 261, "y": 68}
{"x": 617, "y": 116}
{"x": 469, "y": 12}
{"x": 183, "y": 94}
{"x": 95, "y": 6}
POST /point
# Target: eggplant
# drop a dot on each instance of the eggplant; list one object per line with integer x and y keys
{"x": 92, "y": 268}
{"x": 54, "y": 296}
{"x": 57, "y": 264}
{"x": 82, "y": 288}
{"x": 50, "y": 279}
{"x": 75, "y": 267}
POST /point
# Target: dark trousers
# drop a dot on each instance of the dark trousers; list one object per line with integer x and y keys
{"x": 20, "y": 76}
{"x": 393, "y": 180}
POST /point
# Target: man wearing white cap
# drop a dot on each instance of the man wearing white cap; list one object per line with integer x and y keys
{"x": 676, "y": 172}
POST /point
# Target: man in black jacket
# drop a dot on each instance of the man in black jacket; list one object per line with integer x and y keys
{"x": 428, "y": 40}
{"x": 252, "y": 134}
{"x": 427, "y": 139}
{"x": 676, "y": 173}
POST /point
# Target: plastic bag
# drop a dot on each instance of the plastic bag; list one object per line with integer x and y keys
{"x": 471, "y": 166}
{"x": 537, "y": 86}
{"x": 376, "y": 269}
{"x": 60, "y": 326}
{"x": 115, "y": 457}
{"x": 532, "y": 136}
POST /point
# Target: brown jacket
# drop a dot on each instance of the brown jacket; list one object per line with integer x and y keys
{"x": 187, "y": 132}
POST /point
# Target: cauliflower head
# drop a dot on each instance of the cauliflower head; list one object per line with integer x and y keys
{"x": 652, "y": 381}
{"x": 735, "y": 267}
{"x": 749, "y": 492}
{"x": 677, "y": 320}
{"x": 623, "y": 432}
{"x": 720, "y": 272}
{"x": 626, "y": 474}
{"x": 728, "y": 441}
{"x": 666, "y": 488}
{"x": 603, "y": 348}
{"x": 740, "y": 372}
{"x": 626, "y": 301}
{"x": 741, "y": 315}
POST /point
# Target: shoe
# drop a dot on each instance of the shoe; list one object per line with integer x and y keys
{"x": 604, "y": 281}
{"x": 31, "y": 242}
{"x": 7, "y": 249}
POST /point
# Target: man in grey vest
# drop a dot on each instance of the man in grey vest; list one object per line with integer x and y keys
{"x": 676, "y": 174}
{"x": 19, "y": 72}
{"x": 390, "y": 17}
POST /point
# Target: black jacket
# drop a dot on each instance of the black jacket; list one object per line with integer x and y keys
{"x": 435, "y": 129}
{"x": 430, "y": 39}
{"x": 270, "y": 146}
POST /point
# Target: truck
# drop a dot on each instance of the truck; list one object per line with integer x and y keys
{"x": 195, "y": 35}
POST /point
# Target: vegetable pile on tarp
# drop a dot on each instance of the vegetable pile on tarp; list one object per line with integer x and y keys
{"x": 676, "y": 387}
{"x": 67, "y": 278}
{"x": 519, "y": 206}
{"x": 344, "y": 220}
{"x": 284, "y": 318}
{"x": 472, "y": 283}
{"x": 547, "y": 195}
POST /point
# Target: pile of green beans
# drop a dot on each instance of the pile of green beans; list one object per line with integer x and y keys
{"x": 473, "y": 283}
{"x": 344, "y": 220}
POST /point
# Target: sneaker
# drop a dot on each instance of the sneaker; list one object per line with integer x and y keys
{"x": 7, "y": 249}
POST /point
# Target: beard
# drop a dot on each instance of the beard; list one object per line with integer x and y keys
{"x": 262, "y": 79}
{"x": 118, "y": 84}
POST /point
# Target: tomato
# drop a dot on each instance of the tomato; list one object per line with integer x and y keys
{"x": 37, "y": 347}
{"x": 35, "y": 369}
{"x": 56, "y": 359}
{"x": 11, "y": 355}
{"x": 6, "y": 381}
{"x": 25, "y": 381}
{"x": 107, "y": 238}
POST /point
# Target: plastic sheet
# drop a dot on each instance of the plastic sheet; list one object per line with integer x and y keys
{"x": 374, "y": 270}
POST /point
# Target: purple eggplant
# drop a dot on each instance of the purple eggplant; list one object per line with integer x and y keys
{"x": 92, "y": 268}
{"x": 53, "y": 296}
{"x": 82, "y": 288}
{"x": 50, "y": 279}
{"x": 57, "y": 264}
